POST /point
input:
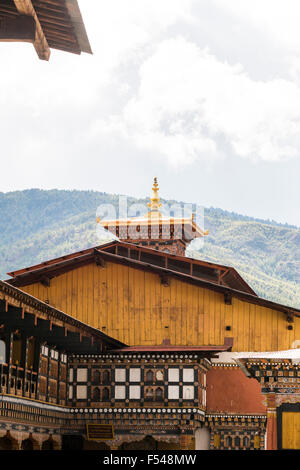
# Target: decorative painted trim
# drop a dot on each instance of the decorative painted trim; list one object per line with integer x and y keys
{"x": 224, "y": 364}
{"x": 235, "y": 416}
{"x": 138, "y": 410}
{"x": 30, "y": 429}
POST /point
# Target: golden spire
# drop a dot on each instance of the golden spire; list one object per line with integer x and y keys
{"x": 154, "y": 203}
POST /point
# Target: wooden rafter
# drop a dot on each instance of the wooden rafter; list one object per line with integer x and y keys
{"x": 17, "y": 28}
{"x": 25, "y": 7}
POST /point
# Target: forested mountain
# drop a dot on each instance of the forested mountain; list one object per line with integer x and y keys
{"x": 36, "y": 225}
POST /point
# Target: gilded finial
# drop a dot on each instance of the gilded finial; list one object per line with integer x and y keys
{"x": 154, "y": 203}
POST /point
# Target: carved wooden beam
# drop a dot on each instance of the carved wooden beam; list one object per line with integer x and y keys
{"x": 228, "y": 298}
{"x": 99, "y": 260}
{"x": 221, "y": 275}
{"x": 45, "y": 281}
{"x": 290, "y": 317}
{"x": 164, "y": 280}
{"x": 40, "y": 43}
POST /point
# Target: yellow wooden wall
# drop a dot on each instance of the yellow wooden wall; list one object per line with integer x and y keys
{"x": 133, "y": 306}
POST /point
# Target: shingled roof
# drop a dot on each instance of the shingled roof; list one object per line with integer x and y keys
{"x": 211, "y": 272}
{"x": 216, "y": 277}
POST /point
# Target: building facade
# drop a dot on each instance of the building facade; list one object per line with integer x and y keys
{"x": 129, "y": 345}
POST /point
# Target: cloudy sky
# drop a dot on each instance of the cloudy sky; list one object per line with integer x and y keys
{"x": 203, "y": 94}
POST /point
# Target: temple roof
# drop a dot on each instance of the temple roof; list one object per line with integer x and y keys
{"x": 184, "y": 228}
{"x": 57, "y": 24}
{"x": 142, "y": 257}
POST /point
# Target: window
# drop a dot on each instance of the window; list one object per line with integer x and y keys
{"x": 64, "y": 358}
{"x": 188, "y": 375}
{"x": 229, "y": 441}
{"x": 81, "y": 392}
{"x": 159, "y": 394}
{"x": 149, "y": 376}
{"x": 120, "y": 392}
{"x": 237, "y": 441}
{"x": 149, "y": 393}
{"x": 96, "y": 394}
{"x": 159, "y": 376}
{"x": 120, "y": 375}
{"x": 105, "y": 394}
{"x": 54, "y": 354}
{"x": 96, "y": 377}
{"x": 2, "y": 351}
{"x": 81, "y": 375}
{"x": 173, "y": 375}
{"x": 17, "y": 349}
{"x": 134, "y": 392}
{"x": 105, "y": 377}
{"x": 134, "y": 375}
{"x": 188, "y": 392}
{"x": 173, "y": 392}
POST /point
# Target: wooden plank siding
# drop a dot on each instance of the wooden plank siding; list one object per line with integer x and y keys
{"x": 134, "y": 307}
{"x": 291, "y": 430}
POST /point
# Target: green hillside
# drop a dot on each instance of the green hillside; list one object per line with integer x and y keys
{"x": 37, "y": 225}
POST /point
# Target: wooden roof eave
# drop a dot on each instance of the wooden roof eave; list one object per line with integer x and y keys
{"x": 51, "y": 271}
{"x": 81, "y": 35}
{"x": 58, "y": 25}
{"x": 211, "y": 349}
{"x": 130, "y": 246}
{"x": 231, "y": 272}
{"x": 89, "y": 258}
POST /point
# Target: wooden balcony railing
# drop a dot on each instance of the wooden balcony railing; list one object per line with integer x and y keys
{"x": 14, "y": 380}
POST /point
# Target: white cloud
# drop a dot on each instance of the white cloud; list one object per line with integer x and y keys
{"x": 121, "y": 30}
{"x": 153, "y": 96}
{"x": 275, "y": 18}
{"x": 187, "y": 100}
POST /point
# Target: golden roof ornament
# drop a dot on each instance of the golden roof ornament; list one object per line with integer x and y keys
{"x": 154, "y": 203}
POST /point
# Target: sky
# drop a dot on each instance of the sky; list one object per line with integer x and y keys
{"x": 205, "y": 95}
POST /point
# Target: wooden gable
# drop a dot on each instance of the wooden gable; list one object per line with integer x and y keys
{"x": 140, "y": 306}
